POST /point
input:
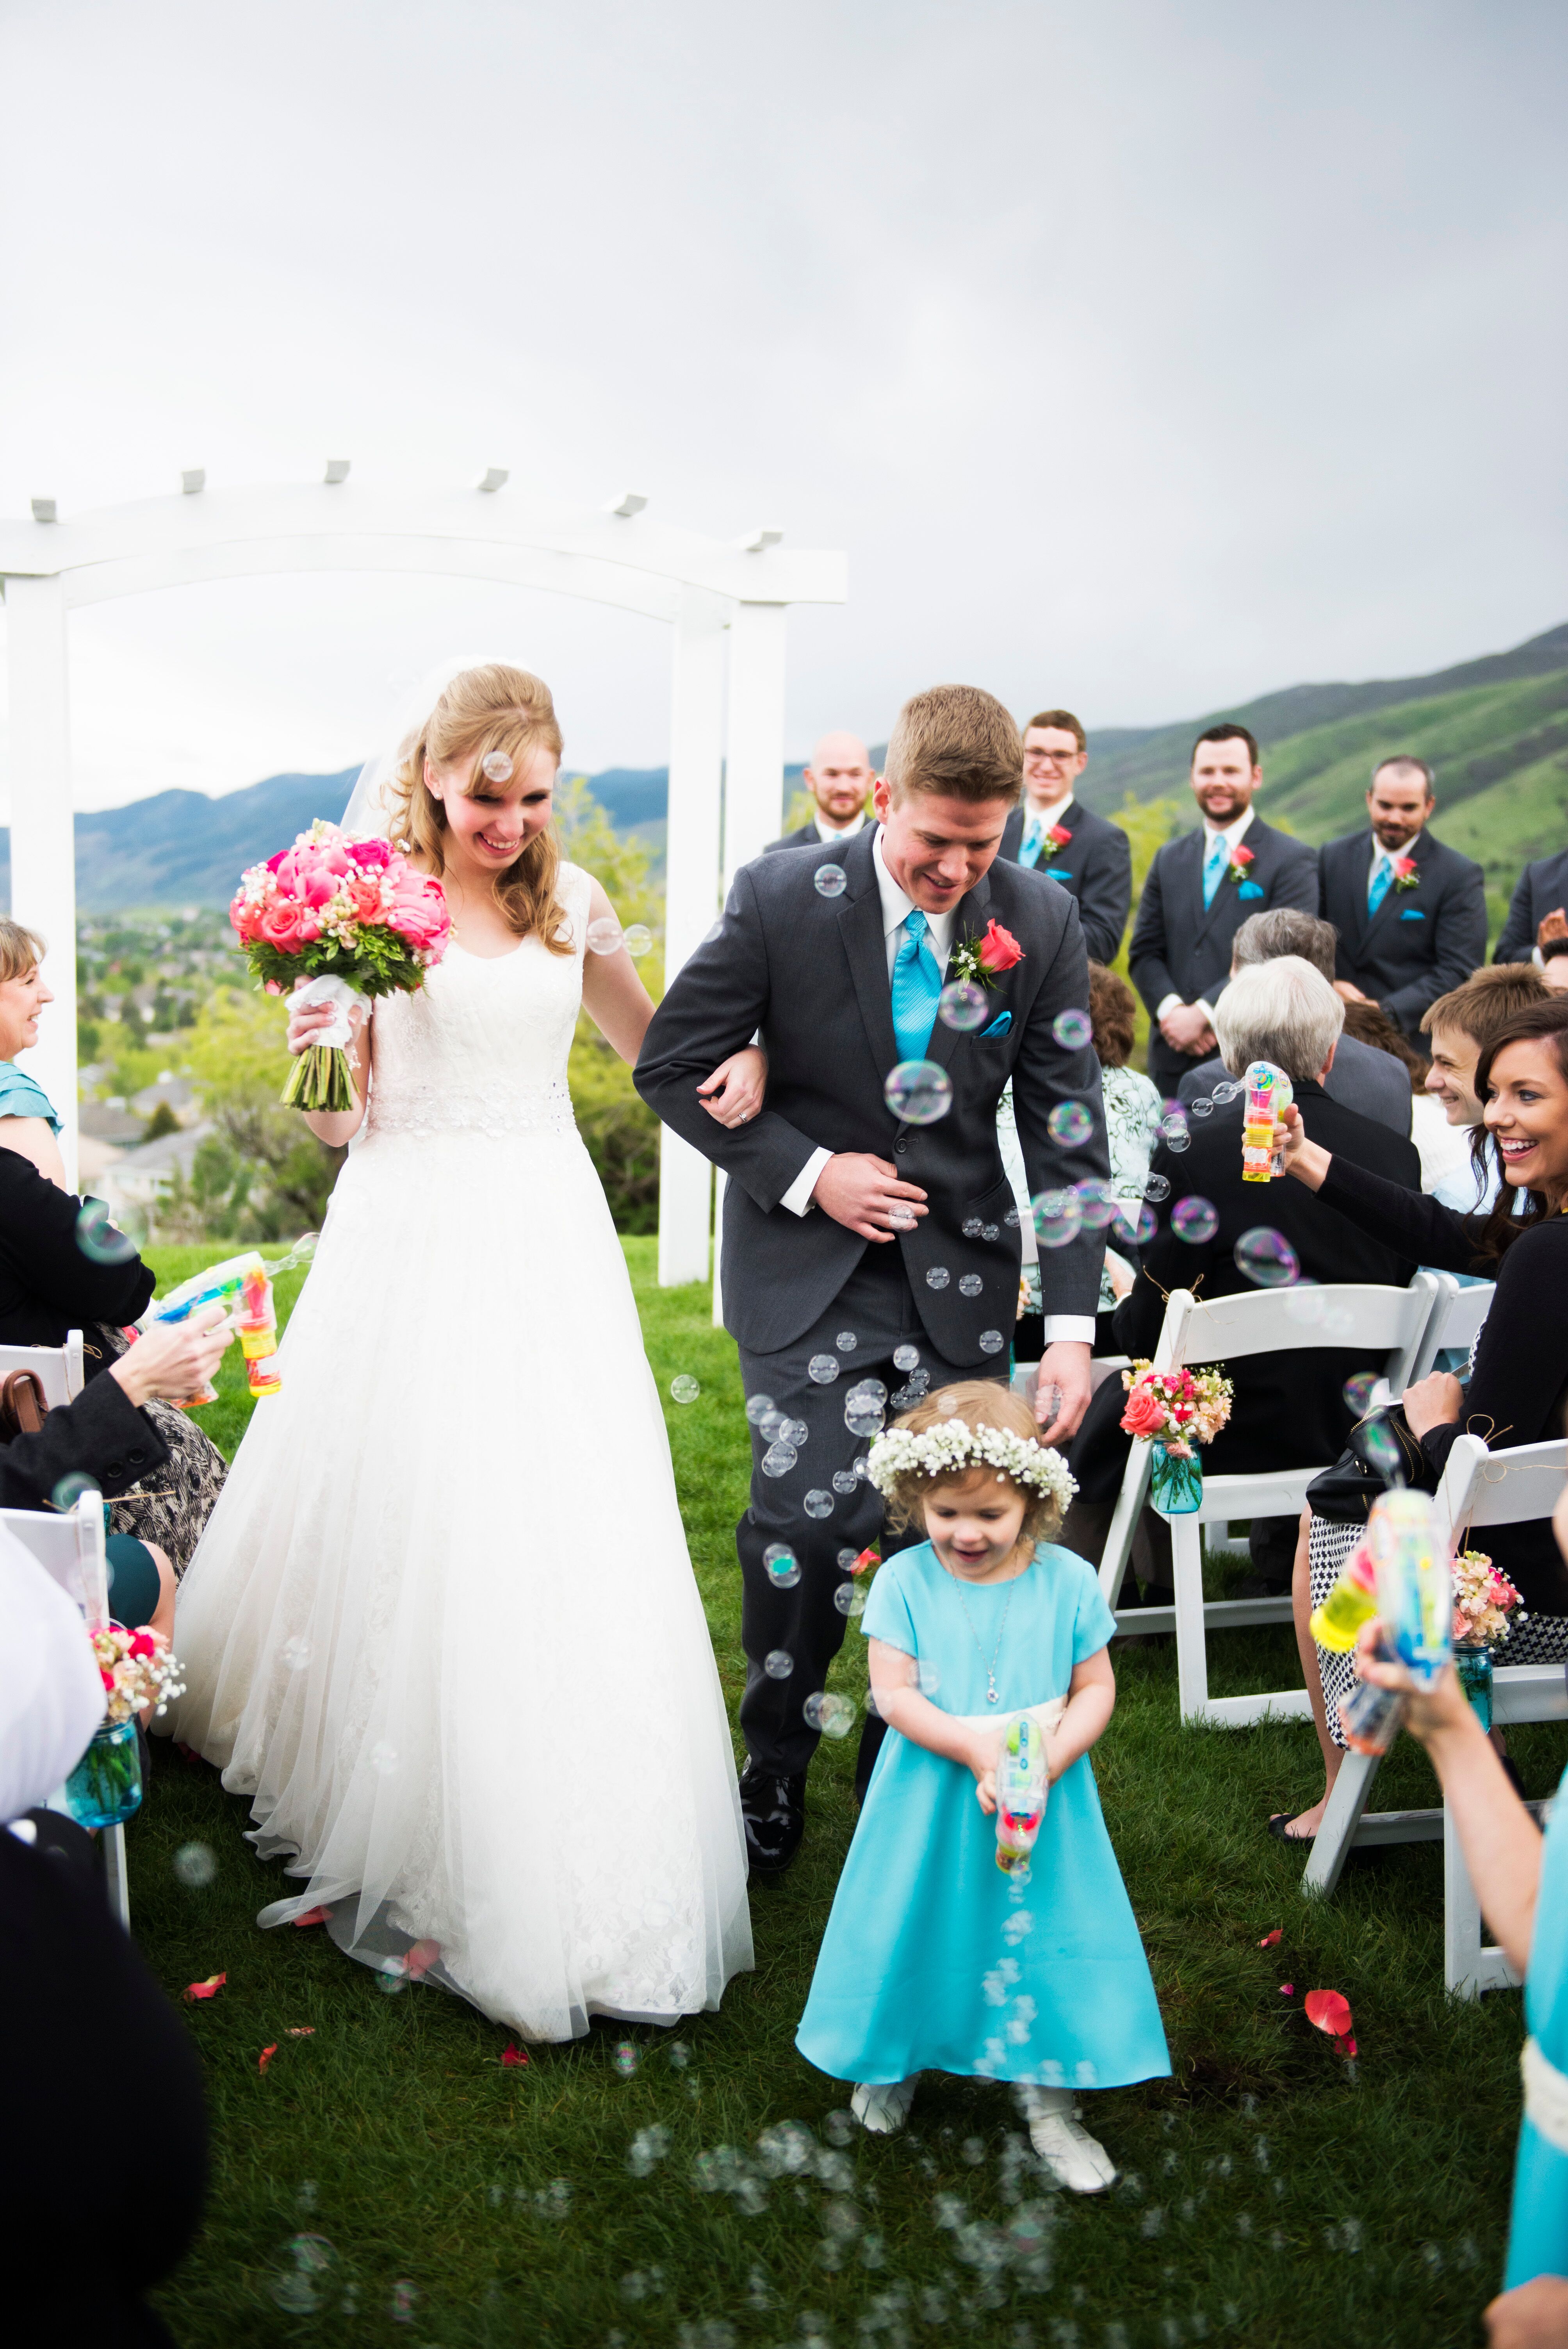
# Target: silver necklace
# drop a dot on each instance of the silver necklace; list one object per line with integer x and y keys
{"x": 991, "y": 1695}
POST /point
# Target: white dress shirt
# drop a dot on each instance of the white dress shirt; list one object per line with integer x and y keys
{"x": 1230, "y": 834}
{"x": 1037, "y": 821}
{"x": 896, "y": 909}
{"x": 827, "y": 832}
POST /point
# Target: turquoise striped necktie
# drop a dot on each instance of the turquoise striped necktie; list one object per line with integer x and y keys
{"x": 1033, "y": 841}
{"x": 916, "y": 986}
{"x": 1214, "y": 863}
{"x": 1382, "y": 882}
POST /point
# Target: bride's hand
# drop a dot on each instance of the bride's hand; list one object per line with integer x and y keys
{"x": 307, "y": 1020}
{"x": 734, "y": 1092}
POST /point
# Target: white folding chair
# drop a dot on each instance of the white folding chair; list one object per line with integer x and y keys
{"x": 1226, "y": 1331}
{"x": 1458, "y": 1324}
{"x": 1479, "y": 1488}
{"x": 57, "y": 1369}
{"x": 69, "y": 1546}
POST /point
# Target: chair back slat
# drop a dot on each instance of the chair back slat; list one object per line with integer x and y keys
{"x": 57, "y": 1369}
{"x": 1508, "y": 1488}
{"x": 69, "y": 1546}
{"x": 1374, "y": 1319}
{"x": 1467, "y": 1309}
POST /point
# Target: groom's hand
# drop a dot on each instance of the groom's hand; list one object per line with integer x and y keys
{"x": 1065, "y": 1366}
{"x": 865, "y": 1194}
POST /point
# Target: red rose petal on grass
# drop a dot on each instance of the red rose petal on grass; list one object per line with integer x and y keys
{"x": 207, "y": 1989}
{"x": 313, "y": 1917}
{"x": 1345, "y": 2046}
{"x": 1330, "y": 2011}
{"x": 301, "y": 2031}
{"x": 1288, "y": 1989}
{"x": 267, "y": 2056}
{"x": 1270, "y": 1939}
{"x": 867, "y": 1558}
{"x": 513, "y": 2054}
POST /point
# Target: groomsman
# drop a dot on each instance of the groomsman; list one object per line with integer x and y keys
{"x": 1410, "y": 913}
{"x": 838, "y": 779}
{"x": 1049, "y": 830}
{"x": 1539, "y": 911}
{"x": 1200, "y": 888}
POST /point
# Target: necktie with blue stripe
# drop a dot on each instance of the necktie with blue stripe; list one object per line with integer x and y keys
{"x": 916, "y": 986}
{"x": 1214, "y": 863}
{"x": 1382, "y": 882}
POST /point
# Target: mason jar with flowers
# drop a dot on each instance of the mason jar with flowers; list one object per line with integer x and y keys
{"x": 1486, "y": 1608}
{"x": 1174, "y": 1411}
{"x": 139, "y": 1675}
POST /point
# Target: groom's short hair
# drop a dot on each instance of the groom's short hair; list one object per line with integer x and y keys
{"x": 958, "y": 741}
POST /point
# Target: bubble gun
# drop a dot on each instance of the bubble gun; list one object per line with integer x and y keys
{"x": 1022, "y": 1787}
{"x": 1353, "y": 1600}
{"x": 1269, "y": 1095}
{"x": 242, "y": 1284}
{"x": 1414, "y": 1584}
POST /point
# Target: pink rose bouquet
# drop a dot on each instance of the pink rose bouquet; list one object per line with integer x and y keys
{"x": 355, "y": 919}
{"x": 1180, "y": 1407}
{"x": 1486, "y": 1604}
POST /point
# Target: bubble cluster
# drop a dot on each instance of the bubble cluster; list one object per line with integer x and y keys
{"x": 685, "y": 1388}
{"x": 1266, "y": 1257}
{"x": 962, "y": 1004}
{"x": 1072, "y": 1030}
{"x": 1059, "y": 1217}
{"x": 779, "y": 1459}
{"x": 1194, "y": 1220}
{"x": 757, "y": 1407}
{"x": 304, "y": 2269}
{"x": 100, "y": 1241}
{"x": 918, "y": 1091}
{"x": 834, "y": 1715}
{"x": 937, "y": 1275}
{"x": 639, "y": 940}
{"x": 830, "y": 880}
{"x": 1071, "y": 1123}
{"x": 496, "y": 767}
{"x": 782, "y": 1566}
{"x": 823, "y": 1368}
{"x": 1174, "y": 1130}
{"x": 627, "y": 2057}
{"x": 818, "y": 1504}
{"x": 605, "y": 935}
{"x": 195, "y": 1866}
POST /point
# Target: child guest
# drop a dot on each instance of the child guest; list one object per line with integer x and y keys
{"x": 935, "y": 1959}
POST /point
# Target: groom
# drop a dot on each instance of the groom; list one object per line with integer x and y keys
{"x": 858, "y": 1244}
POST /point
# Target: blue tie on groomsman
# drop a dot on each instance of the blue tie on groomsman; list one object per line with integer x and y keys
{"x": 1539, "y": 911}
{"x": 1410, "y": 913}
{"x": 1200, "y": 888}
{"x": 1091, "y": 859}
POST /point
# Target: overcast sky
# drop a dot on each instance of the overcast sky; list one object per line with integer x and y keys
{"x": 1143, "y": 357}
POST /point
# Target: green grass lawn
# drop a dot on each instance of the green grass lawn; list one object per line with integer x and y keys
{"x": 388, "y": 2180}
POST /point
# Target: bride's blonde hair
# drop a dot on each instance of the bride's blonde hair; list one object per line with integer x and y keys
{"x": 485, "y": 709}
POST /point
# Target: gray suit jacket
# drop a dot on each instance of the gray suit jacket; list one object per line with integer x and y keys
{"x": 810, "y": 973}
{"x": 1095, "y": 866}
{"x": 1373, "y": 1083}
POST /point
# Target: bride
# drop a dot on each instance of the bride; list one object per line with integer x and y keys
{"x": 442, "y": 1627}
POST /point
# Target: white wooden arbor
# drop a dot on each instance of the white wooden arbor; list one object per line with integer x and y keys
{"x": 727, "y": 747}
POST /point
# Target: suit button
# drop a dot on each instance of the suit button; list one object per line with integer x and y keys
{"x": 136, "y": 1458}
{"x": 901, "y": 1146}
{"x": 115, "y": 1468}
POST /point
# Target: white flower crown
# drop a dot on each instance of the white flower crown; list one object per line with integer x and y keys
{"x": 952, "y": 1446}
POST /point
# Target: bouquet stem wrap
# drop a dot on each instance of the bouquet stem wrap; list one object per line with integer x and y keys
{"x": 321, "y": 1077}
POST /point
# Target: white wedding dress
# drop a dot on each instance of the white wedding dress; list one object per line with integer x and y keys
{"x": 442, "y": 1627}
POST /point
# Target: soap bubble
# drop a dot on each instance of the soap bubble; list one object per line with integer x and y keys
{"x": 846, "y": 1341}
{"x": 971, "y": 1285}
{"x": 757, "y": 1407}
{"x": 69, "y": 1490}
{"x": 1358, "y": 1392}
{"x": 1157, "y": 1187}
{"x": 907, "y": 1397}
{"x": 627, "y": 2057}
{"x": 685, "y": 1388}
{"x": 195, "y": 1864}
{"x": 848, "y": 1557}
{"x": 832, "y": 880}
{"x": 1267, "y": 1258}
{"x": 905, "y": 1358}
{"x": 818, "y": 1504}
{"x": 770, "y": 1423}
{"x": 384, "y": 1757}
{"x": 900, "y": 1218}
{"x": 844, "y": 1480}
{"x": 834, "y": 1715}
{"x": 392, "y": 1980}
{"x": 937, "y": 1275}
{"x": 1012, "y": 1219}
{"x": 296, "y": 1654}
{"x": 639, "y": 939}
{"x": 779, "y": 1459}
{"x": 779, "y": 1663}
{"x": 1072, "y": 1029}
{"x": 1136, "y": 1224}
{"x": 1381, "y": 1446}
{"x": 1194, "y": 1220}
{"x": 1176, "y": 1134}
{"x": 918, "y": 1091}
{"x": 1203, "y": 1107}
{"x": 962, "y": 1004}
{"x": 1096, "y": 1201}
{"x": 971, "y": 1227}
{"x": 993, "y": 1231}
{"x": 863, "y": 1417}
{"x": 1071, "y": 1123}
{"x": 823, "y": 1368}
{"x": 991, "y": 1341}
{"x": 1229, "y": 1092}
{"x": 850, "y": 1598}
{"x": 783, "y": 1566}
{"x": 306, "y": 2269}
{"x": 496, "y": 767}
{"x": 1059, "y": 1217}
{"x": 794, "y": 1431}
{"x": 605, "y": 935}
{"x": 98, "y": 1239}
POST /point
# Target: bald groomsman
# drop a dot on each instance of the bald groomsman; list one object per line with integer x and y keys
{"x": 838, "y": 779}
{"x": 1410, "y": 913}
{"x": 1090, "y": 858}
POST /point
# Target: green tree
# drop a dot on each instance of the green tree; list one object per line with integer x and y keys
{"x": 261, "y": 1174}
{"x": 620, "y": 1130}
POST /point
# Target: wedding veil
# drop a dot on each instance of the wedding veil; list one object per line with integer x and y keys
{"x": 370, "y": 809}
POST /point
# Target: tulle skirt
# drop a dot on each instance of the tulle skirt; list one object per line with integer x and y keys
{"x": 442, "y": 1627}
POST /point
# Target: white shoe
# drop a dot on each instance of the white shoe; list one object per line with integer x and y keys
{"x": 1075, "y": 2159}
{"x": 883, "y": 2107}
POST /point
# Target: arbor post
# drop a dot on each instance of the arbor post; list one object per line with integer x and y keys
{"x": 43, "y": 832}
{"x": 691, "y": 900}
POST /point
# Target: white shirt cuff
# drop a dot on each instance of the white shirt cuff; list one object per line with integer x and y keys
{"x": 1073, "y": 1329}
{"x": 1206, "y": 1007}
{"x": 798, "y": 1197}
{"x": 1171, "y": 1002}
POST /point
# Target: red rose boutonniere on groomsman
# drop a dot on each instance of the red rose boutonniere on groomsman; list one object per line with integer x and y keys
{"x": 1407, "y": 872}
{"x": 1241, "y": 861}
{"x": 1056, "y": 838}
{"x": 982, "y": 961}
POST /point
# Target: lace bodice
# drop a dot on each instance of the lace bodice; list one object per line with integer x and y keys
{"x": 482, "y": 1047}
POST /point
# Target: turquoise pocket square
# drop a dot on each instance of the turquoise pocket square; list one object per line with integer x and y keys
{"x": 1249, "y": 889}
{"x": 998, "y": 1028}
{"x": 1412, "y": 915}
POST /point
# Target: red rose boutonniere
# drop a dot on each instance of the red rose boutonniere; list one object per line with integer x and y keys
{"x": 1407, "y": 872}
{"x": 1241, "y": 859}
{"x": 981, "y": 961}
{"x": 1056, "y": 838}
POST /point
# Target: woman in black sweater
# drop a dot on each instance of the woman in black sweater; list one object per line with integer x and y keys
{"x": 1518, "y": 1386}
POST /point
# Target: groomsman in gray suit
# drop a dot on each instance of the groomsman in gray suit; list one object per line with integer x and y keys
{"x": 1539, "y": 913}
{"x": 839, "y": 779}
{"x": 1053, "y": 833}
{"x": 870, "y": 1240}
{"x": 1410, "y": 913}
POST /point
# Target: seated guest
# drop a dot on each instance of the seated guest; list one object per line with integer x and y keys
{"x": 1518, "y": 1387}
{"x": 839, "y": 779}
{"x": 86, "y": 2036}
{"x": 27, "y": 1122}
{"x": 1360, "y": 1078}
{"x": 1539, "y": 912}
{"x": 1085, "y": 856}
{"x": 1131, "y": 1114}
{"x": 1410, "y": 913}
{"x": 1554, "y": 964}
{"x": 1438, "y": 1146}
{"x": 1460, "y": 1027}
{"x": 1290, "y": 1410}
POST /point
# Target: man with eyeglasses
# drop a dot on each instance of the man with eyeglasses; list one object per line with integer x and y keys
{"x": 1090, "y": 858}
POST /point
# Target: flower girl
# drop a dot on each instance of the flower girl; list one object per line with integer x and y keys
{"x": 934, "y": 1958}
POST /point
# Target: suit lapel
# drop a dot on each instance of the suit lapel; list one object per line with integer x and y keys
{"x": 969, "y": 922}
{"x": 1394, "y": 897}
{"x": 861, "y": 928}
{"x": 1358, "y": 857}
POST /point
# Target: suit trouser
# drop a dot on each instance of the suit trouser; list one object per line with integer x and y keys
{"x": 876, "y": 1308}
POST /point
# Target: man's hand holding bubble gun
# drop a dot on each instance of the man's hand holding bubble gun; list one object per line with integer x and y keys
{"x": 241, "y": 1288}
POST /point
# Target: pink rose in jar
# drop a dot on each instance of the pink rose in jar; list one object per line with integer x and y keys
{"x": 1144, "y": 1415}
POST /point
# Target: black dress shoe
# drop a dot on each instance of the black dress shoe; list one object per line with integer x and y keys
{"x": 774, "y": 1812}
